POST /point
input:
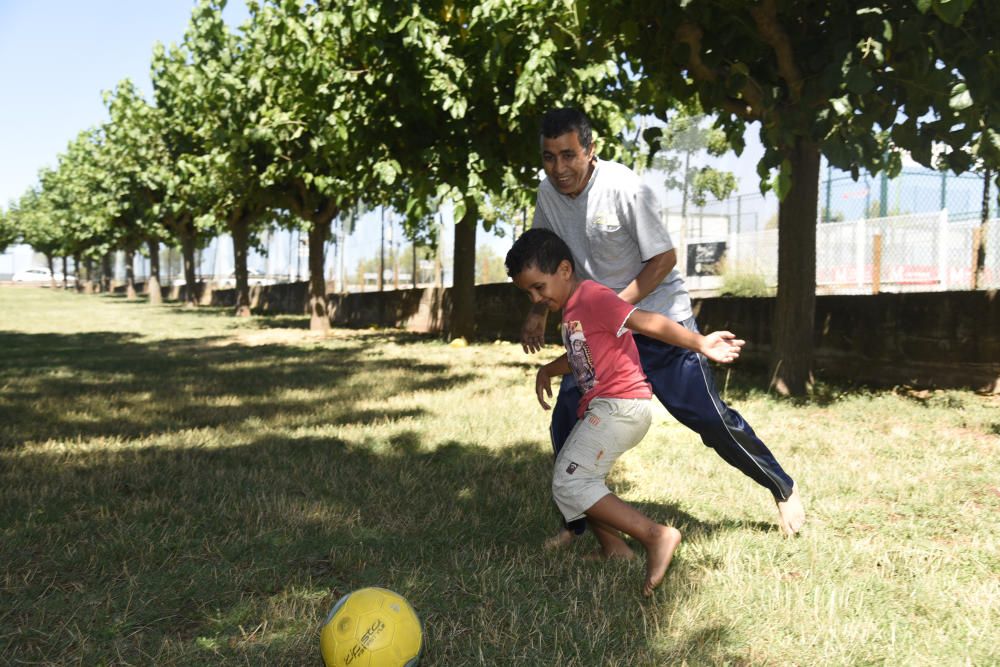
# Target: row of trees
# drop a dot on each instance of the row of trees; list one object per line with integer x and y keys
{"x": 311, "y": 109}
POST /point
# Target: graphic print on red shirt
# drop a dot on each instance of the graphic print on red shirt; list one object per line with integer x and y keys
{"x": 578, "y": 352}
{"x": 600, "y": 350}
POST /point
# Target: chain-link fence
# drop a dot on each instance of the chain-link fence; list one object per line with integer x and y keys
{"x": 875, "y": 234}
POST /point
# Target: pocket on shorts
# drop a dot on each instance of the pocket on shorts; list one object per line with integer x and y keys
{"x": 628, "y": 419}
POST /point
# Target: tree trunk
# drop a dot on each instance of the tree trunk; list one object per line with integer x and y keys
{"x": 381, "y": 255}
{"x": 463, "y": 290}
{"x": 106, "y": 273}
{"x": 153, "y": 282}
{"x": 319, "y": 317}
{"x": 79, "y": 272}
{"x": 240, "y": 230}
{"x": 65, "y": 272}
{"x": 187, "y": 249}
{"x": 795, "y": 310}
{"x": 90, "y": 275}
{"x": 130, "y": 273}
{"x": 50, "y": 262}
{"x": 977, "y": 270}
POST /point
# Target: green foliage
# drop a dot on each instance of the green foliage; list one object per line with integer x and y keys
{"x": 855, "y": 83}
{"x": 671, "y": 149}
{"x": 8, "y": 232}
{"x": 707, "y": 180}
{"x": 743, "y": 281}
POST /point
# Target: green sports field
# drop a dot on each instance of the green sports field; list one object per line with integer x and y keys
{"x": 184, "y": 488}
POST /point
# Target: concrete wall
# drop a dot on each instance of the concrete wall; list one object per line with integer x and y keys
{"x": 930, "y": 339}
{"x": 933, "y": 339}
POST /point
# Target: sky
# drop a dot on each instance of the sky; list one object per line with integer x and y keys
{"x": 58, "y": 56}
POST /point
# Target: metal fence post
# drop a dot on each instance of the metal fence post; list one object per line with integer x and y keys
{"x": 977, "y": 240}
{"x": 876, "y": 263}
{"x": 859, "y": 251}
{"x": 942, "y": 248}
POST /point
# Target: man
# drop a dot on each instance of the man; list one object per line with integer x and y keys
{"x": 611, "y": 222}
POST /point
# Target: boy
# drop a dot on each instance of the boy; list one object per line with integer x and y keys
{"x": 614, "y": 410}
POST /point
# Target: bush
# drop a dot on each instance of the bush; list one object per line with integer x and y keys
{"x": 741, "y": 282}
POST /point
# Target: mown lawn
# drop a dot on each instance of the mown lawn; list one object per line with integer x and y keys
{"x": 182, "y": 488}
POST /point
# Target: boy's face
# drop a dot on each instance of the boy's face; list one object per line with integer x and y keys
{"x": 566, "y": 163}
{"x": 552, "y": 289}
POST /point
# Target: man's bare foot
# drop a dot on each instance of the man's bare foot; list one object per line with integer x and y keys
{"x": 791, "y": 514}
{"x": 560, "y": 540}
{"x": 658, "y": 556}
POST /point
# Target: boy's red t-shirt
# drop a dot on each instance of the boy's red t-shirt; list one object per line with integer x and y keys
{"x": 600, "y": 349}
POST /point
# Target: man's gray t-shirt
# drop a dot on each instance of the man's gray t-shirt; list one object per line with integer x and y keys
{"x": 612, "y": 228}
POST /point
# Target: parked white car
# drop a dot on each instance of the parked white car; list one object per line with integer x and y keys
{"x": 40, "y": 275}
{"x": 254, "y": 278}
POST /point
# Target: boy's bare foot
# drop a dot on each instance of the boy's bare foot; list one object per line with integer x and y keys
{"x": 559, "y": 541}
{"x": 658, "y": 556}
{"x": 622, "y": 552}
{"x": 791, "y": 514}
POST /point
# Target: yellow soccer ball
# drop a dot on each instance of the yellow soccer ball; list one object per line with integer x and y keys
{"x": 371, "y": 627}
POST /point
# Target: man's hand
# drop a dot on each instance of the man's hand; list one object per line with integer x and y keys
{"x": 533, "y": 331}
{"x": 722, "y": 346}
{"x": 543, "y": 387}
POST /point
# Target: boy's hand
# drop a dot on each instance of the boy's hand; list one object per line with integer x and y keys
{"x": 543, "y": 387}
{"x": 722, "y": 346}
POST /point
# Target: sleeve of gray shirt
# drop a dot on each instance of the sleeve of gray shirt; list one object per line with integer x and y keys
{"x": 650, "y": 231}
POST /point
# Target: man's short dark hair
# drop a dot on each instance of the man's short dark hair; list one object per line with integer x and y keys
{"x": 557, "y": 122}
{"x": 541, "y": 248}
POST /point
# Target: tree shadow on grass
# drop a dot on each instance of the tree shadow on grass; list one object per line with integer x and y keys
{"x": 71, "y": 386}
{"x": 740, "y": 383}
{"x": 175, "y": 555}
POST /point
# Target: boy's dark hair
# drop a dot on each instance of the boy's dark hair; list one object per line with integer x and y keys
{"x": 541, "y": 248}
{"x": 557, "y": 122}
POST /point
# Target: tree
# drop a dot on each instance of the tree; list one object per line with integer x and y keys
{"x": 124, "y": 196}
{"x": 181, "y": 169}
{"x": 8, "y": 232}
{"x": 685, "y": 135}
{"x": 209, "y": 75}
{"x": 856, "y": 85}
{"x": 133, "y": 158}
{"x": 312, "y": 124}
{"x": 33, "y": 217}
{"x": 66, "y": 214}
{"x": 455, "y": 89}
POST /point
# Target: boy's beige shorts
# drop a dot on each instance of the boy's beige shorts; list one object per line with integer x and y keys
{"x": 609, "y": 428}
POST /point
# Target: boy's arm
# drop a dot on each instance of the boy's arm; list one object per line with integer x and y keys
{"x": 721, "y": 346}
{"x": 543, "y": 380}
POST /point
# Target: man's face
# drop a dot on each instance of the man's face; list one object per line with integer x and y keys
{"x": 567, "y": 165}
{"x": 552, "y": 289}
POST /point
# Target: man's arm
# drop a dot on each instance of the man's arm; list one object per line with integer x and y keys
{"x": 721, "y": 346}
{"x": 652, "y": 274}
{"x": 533, "y": 329}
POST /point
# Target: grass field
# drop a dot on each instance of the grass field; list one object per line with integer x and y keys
{"x": 182, "y": 488}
